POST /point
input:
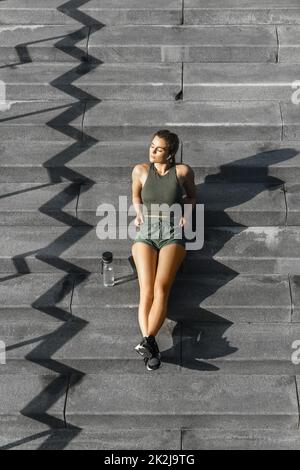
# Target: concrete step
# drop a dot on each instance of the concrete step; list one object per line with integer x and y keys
{"x": 130, "y": 12}
{"x": 158, "y": 82}
{"x": 41, "y": 396}
{"x": 255, "y": 439}
{"x": 220, "y": 12}
{"x": 185, "y": 399}
{"x": 44, "y": 298}
{"x": 238, "y": 405}
{"x": 228, "y": 250}
{"x": 56, "y": 161}
{"x": 250, "y": 250}
{"x": 92, "y": 12}
{"x": 226, "y": 82}
{"x": 222, "y": 403}
{"x": 27, "y": 434}
{"x": 273, "y": 162}
{"x": 289, "y": 42}
{"x": 167, "y": 43}
{"x": 38, "y": 121}
{"x": 291, "y": 121}
{"x": 292, "y": 198}
{"x": 183, "y": 44}
{"x": 246, "y": 204}
{"x": 104, "y": 341}
{"x": 105, "y": 121}
{"x": 137, "y": 120}
{"x": 211, "y": 120}
{"x": 32, "y": 298}
{"x": 30, "y": 43}
{"x": 202, "y": 297}
{"x": 21, "y": 433}
{"x": 35, "y": 204}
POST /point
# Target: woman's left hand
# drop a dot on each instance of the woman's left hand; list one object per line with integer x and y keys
{"x": 182, "y": 221}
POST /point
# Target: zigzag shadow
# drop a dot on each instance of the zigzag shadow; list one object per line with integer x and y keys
{"x": 58, "y": 388}
{"x": 38, "y": 408}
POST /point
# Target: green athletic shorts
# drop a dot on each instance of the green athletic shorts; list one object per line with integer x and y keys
{"x": 158, "y": 232}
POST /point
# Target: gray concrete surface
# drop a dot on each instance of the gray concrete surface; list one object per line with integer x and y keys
{"x": 83, "y": 86}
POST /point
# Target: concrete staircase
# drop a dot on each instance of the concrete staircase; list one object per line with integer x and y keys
{"x": 87, "y": 82}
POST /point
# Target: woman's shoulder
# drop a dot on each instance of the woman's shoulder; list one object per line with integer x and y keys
{"x": 141, "y": 166}
{"x": 141, "y": 170}
{"x": 183, "y": 170}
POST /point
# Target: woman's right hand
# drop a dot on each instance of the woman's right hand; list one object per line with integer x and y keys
{"x": 139, "y": 220}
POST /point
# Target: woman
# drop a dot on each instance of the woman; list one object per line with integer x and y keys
{"x": 158, "y": 257}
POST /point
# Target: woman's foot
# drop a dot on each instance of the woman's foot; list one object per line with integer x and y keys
{"x": 148, "y": 348}
{"x": 142, "y": 348}
{"x": 152, "y": 363}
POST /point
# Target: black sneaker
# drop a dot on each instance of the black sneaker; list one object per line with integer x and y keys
{"x": 153, "y": 360}
{"x": 142, "y": 348}
{"x": 148, "y": 348}
{"x": 153, "y": 363}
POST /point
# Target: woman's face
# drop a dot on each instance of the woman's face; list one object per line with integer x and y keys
{"x": 159, "y": 150}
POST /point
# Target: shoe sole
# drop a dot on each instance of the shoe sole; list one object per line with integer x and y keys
{"x": 146, "y": 354}
{"x": 153, "y": 368}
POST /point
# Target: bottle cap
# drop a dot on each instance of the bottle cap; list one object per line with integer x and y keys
{"x": 107, "y": 257}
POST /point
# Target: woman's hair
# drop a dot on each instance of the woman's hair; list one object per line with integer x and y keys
{"x": 172, "y": 140}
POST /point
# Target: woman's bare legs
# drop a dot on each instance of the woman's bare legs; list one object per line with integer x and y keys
{"x": 145, "y": 258}
{"x": 169, "y": 260}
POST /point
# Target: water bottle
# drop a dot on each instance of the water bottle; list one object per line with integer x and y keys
{"x": 107, "y": 269}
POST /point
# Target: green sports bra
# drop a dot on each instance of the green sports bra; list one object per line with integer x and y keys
{"x": 161, "y": 189}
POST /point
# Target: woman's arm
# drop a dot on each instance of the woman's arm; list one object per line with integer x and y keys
{"x": 190, "y": 199}
{"x": 136, "y": 189}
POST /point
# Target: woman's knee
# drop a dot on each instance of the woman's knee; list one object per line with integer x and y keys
{"x": 161, "y": 289}
{"x": 147, "y": 294}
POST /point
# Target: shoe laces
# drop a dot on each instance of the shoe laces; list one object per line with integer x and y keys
{"x": 153, "y": 346}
